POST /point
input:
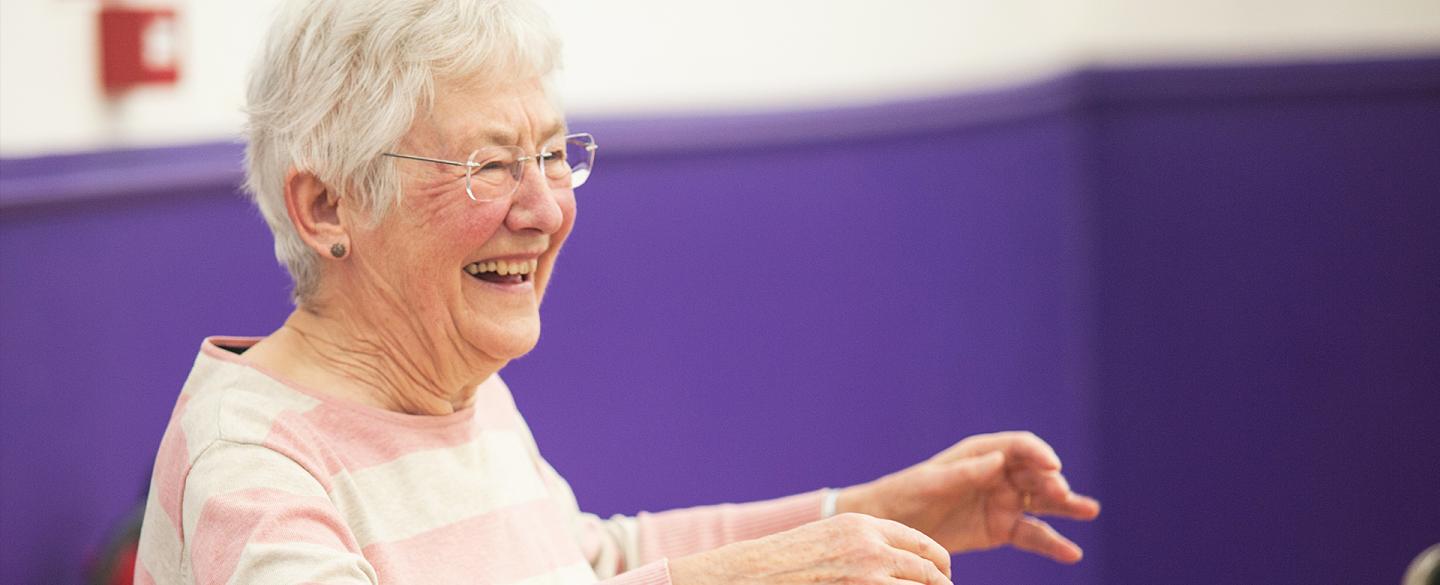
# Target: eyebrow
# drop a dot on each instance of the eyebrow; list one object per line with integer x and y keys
{"x": 503, "y": 136}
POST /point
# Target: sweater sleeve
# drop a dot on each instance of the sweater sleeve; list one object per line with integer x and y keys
{"x": 621, "y": 543}
{"x": 678, "y": 533}
{"x": 252, "y": 515}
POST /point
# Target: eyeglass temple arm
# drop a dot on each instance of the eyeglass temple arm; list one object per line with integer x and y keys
{"x": 590, "y": 147}
{"x": 460, "y": 164}
{"x": 428, "y": 159}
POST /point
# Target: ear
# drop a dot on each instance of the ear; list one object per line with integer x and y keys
{"x": 314, "y": 210}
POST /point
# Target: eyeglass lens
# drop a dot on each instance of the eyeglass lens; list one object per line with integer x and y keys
{"x": 495, "y": 172}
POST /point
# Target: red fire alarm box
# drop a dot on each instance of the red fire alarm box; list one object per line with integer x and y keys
{"x": 138, "y": 45}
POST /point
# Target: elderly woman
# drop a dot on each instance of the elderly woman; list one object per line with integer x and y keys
{"x": 419, "y": 180}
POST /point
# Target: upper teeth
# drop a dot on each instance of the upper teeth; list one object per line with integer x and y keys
{"x": 502, "y": 267}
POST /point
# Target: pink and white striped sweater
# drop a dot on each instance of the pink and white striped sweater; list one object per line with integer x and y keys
{"x": 260, "y": 481}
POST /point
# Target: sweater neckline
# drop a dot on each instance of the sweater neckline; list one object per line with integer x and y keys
{"x": 221, "y": 347}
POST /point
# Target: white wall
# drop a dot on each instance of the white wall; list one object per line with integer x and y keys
{"x": 50, "y": 93}
{"x": 1149, "y": 30}
{"x": 639, "y": 56}
{"x": 649, "y": 56}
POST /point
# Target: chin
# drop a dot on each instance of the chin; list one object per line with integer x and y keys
{"x": 508, "y": 342}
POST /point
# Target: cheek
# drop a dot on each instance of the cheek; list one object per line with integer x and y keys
{"x": 462, "y": 230}
{"x": 447, "y": 219}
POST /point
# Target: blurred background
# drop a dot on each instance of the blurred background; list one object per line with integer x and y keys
{"x": 1195, "y": 245}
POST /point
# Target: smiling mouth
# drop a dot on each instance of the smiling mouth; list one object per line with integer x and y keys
{"x": 503, "y": 271}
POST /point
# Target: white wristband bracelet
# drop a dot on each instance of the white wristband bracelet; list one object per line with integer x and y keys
{"x": 827, "y": 506}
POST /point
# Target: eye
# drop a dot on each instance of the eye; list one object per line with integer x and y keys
{"x": 489, "y": 166}
{"x": 556, "y": 154}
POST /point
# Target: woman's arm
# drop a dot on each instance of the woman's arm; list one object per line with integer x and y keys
{"x": 848, "y": 548}
{"x": 622, "y": 542}
{"x": 679, "y": 533}
{"x": 985, "y": 491}
{"x": 774, "y": 542}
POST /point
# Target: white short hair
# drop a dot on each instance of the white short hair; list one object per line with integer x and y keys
{"x": 341, "y": 81}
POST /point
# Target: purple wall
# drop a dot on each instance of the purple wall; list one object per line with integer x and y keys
{"x": 1268, "y": 310}
{"x": 1214, "y": 289}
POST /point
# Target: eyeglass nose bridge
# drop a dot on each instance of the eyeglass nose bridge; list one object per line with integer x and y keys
{"x": 518, "y": 171}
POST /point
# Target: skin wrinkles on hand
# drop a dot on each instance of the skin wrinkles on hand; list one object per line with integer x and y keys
{"x": 972, "y": 496}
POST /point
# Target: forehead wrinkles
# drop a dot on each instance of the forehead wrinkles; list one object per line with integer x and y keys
{"x": 520, "y": 118}
{"x": 492, "y": 131}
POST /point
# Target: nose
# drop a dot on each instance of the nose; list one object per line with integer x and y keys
{"x": 535, "y": 204}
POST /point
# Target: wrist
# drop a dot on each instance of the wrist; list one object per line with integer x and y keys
{"x": 682, "y": 572}
{"x": 712, "y": 567}
{"x": 856, "y": 499}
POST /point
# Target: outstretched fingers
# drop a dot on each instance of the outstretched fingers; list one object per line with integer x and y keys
{"x": 908, "y": 568}
{"x": 1034, "y": 535}
{"x": 1022, "y": 448}
{"x": 1072, "y": 506}
{"x": 934, "y": 559}
{"x": 985, "y": 470}
{"x": 1050, "y": 495}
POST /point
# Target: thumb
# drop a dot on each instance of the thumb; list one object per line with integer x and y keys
{"x": 980, "y": 470}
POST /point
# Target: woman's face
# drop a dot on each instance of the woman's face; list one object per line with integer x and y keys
{"x": 415, "y": 260}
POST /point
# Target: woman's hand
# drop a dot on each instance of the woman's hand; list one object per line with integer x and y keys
{"x": 848, "y": 548}
{"x": 981, "y": 493}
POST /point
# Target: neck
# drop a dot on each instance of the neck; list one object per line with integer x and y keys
{"x": 395, "y": 367}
